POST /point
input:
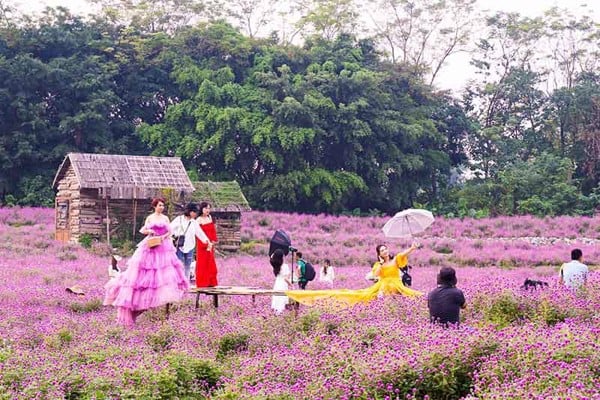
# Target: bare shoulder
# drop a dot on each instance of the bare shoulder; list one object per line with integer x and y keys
{"x": 157, "y": 219}
{"x": 202, "y": 220}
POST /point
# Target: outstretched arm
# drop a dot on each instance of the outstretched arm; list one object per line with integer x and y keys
{"x": 412, "y": 248}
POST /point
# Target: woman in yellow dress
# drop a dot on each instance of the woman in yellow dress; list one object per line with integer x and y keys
{"x": 386, "y": 269}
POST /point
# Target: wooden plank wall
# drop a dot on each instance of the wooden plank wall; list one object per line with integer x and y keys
{"x": 228, "y": 230}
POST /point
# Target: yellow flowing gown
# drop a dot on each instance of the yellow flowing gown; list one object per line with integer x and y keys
{"x": 389, "y": 283}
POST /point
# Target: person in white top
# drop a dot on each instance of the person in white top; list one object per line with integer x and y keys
{"x": 574, "y": 273}
{"x": 113, "y": 268}
{"x": 185, "y": 229}
{"x": 327, "y": 273}
{"x": 282, "y": 281}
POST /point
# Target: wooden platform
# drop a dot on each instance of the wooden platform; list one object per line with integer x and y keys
{"x": 217, "y": 291}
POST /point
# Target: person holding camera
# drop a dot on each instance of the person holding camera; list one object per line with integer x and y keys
{"x": 185, "y": 230}
{"x": 445, "y": 301}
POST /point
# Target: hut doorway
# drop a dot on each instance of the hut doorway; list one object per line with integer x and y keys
{"x": 63, "y": 232}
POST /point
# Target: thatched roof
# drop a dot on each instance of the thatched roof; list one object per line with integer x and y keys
{"x": 222, "y": 196}
{"x": 124, "y": 176}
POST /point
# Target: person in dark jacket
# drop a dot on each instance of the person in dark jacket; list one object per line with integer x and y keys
{"x": 446, "y": 300}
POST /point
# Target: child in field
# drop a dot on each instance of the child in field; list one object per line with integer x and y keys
{"x": 326, "y": 273}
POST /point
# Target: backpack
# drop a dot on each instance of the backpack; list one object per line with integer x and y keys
{"x": 309, "y": 271}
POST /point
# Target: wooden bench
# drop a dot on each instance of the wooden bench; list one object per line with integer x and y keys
{"x": 217, "y": 291}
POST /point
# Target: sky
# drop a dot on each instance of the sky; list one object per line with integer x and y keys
{"x": 457, "y": 70}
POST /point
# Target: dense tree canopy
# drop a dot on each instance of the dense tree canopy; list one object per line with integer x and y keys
{"x": 334, "y": 124}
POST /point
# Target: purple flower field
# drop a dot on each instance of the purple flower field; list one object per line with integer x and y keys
{"x": 512, "y": 344}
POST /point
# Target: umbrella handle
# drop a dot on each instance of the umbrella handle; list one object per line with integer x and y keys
{"x": 408, "y": 224}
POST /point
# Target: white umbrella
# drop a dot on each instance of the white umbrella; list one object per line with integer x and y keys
{"x": 407, "y": 223}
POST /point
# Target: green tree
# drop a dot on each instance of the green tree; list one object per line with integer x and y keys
{"x": 423, "y": 35}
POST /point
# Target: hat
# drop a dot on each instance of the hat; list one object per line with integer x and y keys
{"x": 75, "y": 290}
{"x": 447, "y": 276}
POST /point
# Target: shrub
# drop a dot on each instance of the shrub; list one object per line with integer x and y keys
{"x": 550, "y": 314}
{"x": 90, "y": 306}
{"x": 60, "y": 339}
{"x": 232, "y": 343}
{"x": 86, "y": 240}
{"x": 194, "y": 375}
{"x": 66, "y": 255}
{"x": 508, "y": 264}
{"x": 505, "y": 310}
{"x": 73, "y": 386}
{"x": 308, "y": 321}
{"x": 439, "y": 377}
{"x": 161, "y": 340}
{"x": 443, "y": 249}
{"x": 251, "y": 247}
{"x": 369, "y": 337}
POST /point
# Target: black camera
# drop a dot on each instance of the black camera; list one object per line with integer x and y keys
{"x": 292, "y": 249}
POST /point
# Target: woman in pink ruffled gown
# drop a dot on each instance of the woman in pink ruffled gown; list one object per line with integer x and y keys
{"x": 154, "y": 275}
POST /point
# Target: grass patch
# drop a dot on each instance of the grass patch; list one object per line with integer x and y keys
{"x": 87, "y": 307}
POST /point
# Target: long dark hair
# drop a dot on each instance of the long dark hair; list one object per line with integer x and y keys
{"x": 203, "y": 205}
{"x": 276, "y": 261}
{"x": 326, "y": 265}
{"x": 377, "y": 250}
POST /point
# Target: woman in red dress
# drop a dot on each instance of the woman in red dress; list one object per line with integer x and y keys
{"x": 206, "y": 267}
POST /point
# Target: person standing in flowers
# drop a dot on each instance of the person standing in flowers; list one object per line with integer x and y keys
{"x": 445, "y": 301}
{"x": 327, "y": 273}
{"x": 386, "y": 269}
{"x": 282, "y": 280}
{"x": 154, "y": 275}
{"x": 206, "y": 266}
{"x": 301, "y": 264}
{"x": 185, "y": 230}
{"x": 574, "y": 274}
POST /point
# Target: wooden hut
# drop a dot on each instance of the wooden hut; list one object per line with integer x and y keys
{"x": 103, "y": 194}
{"x": 227, "y": 204}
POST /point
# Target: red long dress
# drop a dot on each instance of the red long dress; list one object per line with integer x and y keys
{"x": 206, "y": 267}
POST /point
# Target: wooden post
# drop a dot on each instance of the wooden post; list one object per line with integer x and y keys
{"x": 134, "y": 219}
{"x": 107, "y": 223}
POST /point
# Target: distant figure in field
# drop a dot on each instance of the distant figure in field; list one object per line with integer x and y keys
{"x": 574, "y": 273}
{"x": 327, "y": 273}
{"x": 445, "y": 301}
{"x": 302, "y": 281}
